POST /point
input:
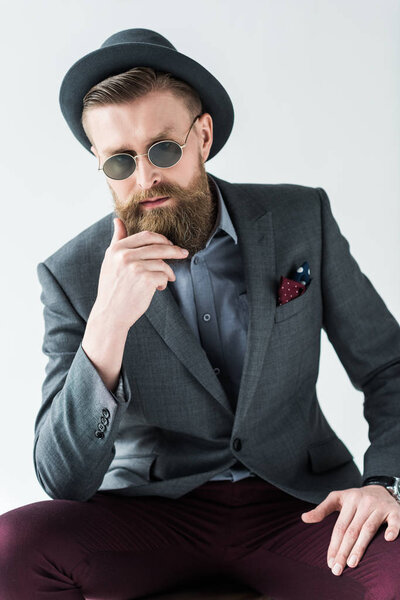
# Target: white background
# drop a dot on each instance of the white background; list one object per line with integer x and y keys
{"x": 315, "y": 86}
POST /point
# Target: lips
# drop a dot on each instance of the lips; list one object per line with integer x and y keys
{"x": 154, "y": 203}
{"x": 154, "y": 199}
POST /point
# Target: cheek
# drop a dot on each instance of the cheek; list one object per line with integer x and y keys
{"x": 122, "y": 189}
{"x": 183, "y": 171}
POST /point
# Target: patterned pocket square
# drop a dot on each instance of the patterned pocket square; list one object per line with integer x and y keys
{"x": 294, "y": 286}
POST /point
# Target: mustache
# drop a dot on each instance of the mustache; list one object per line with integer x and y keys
{"x": 155, "y": 193}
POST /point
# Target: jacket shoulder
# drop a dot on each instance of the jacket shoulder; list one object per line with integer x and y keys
{"x": 282, "y": 192}
{"x": 279, "y": 198}
{"x": 84, "y": 248}
{"x": 279, "y": 192}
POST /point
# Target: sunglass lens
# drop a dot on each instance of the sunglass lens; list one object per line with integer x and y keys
{"x": 119, "y": 166}
{"x": 165, "y": 154}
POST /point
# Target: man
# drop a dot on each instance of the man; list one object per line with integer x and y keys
{"x": 180, "y": 434}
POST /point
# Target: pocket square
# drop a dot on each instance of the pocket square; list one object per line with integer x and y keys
{"x": 295, "y": 285}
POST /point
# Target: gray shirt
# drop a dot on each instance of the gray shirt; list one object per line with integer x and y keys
{"x": 210, "y": 291}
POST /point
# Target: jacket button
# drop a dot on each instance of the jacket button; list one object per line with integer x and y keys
{"x": 106, "y": 412}
{"x": 237, "y": 444}
{"x": 101, "y": 427}
{"x": 104, "y": 420}
{"x": 99, "y": 434}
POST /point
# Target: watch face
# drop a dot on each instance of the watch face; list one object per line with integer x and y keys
{"x": 396, "y": 486}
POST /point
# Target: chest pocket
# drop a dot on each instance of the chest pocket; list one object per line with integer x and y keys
{"x": 284, "y": 311}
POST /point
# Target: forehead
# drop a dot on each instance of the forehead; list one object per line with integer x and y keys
{"x": 135, "y": 124}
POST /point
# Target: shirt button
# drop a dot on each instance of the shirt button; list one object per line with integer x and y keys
{"x": 99, "y": 434}
{"x": 216, "y": 370}
{"x": 206, "y": 317}
{"x": 237, "y": 444}
{"x": 196, "y": 260}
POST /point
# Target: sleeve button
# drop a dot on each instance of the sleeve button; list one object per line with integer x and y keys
{"x": 99, "y": 434}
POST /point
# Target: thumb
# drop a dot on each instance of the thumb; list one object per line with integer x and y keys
{"x": 311, "y": 515}
{"x": 119, "y": 230}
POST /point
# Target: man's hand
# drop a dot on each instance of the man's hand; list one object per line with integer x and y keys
{"x": 362, "y": 512}
{"x": 132, "y": 270}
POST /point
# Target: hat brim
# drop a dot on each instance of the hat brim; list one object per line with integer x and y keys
{"x": 118, "y": 58}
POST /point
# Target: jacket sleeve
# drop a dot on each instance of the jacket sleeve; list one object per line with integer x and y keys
{"x": 366, "y": 338}
{"x": 70, "y": 458}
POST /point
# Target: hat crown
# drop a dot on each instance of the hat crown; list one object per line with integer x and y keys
{"x": 140, "y": 47}
{"x": 137, "y": 35}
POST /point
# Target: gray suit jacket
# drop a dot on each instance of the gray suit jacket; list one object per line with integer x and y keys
{"x": 177, "y": 412}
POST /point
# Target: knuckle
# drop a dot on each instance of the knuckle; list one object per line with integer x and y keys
{"x": 369, "y": 527}
{"x": 369, "y": 502}
{"x": 147, "y": 275}
{"x": 340, "y": 528}
{"x": 354, "y": 495}
{"x": 123, "y": 257}
{"x": 136, "y": 268}
{"x": 352, "y": 532}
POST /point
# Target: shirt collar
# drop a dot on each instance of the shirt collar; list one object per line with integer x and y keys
{"x": 223, "y": 220}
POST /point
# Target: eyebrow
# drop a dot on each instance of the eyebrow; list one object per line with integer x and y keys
{"x": 161, "y": 136}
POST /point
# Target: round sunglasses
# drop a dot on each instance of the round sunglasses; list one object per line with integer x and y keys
{"x": 163, "y": 154}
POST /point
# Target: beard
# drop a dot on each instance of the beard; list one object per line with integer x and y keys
{"x": 188, "y": 218}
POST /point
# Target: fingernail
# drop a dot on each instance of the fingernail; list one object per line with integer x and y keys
{"x": 352, "y": 560}
{"x": 337, "y": 569}
{"x": 185, "y": 251}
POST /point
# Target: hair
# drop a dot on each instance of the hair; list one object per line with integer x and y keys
{"x": 135, "y": 83}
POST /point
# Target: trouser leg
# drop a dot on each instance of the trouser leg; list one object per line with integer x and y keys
{"x": 109, "y": 547}
{"x": 275, "y": 552}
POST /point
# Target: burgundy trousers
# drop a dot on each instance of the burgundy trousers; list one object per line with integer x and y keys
{"x": 115, "y": 547}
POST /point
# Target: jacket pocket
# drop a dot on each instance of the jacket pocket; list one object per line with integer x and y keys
{"x": 328, "y": 454}
{"x": 134, "y": 467}
{"x": 284, "y": 311}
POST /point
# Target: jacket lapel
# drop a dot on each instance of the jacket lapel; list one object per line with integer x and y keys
{"x": 253, "y": 224}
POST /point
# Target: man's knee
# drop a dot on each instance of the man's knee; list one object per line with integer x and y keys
{"x": 22, "y": 529}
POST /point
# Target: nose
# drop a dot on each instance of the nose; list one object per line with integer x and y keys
{"x": 146, "y": 174}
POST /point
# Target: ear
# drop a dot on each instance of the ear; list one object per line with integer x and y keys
{"x": 206, "y": 134}
{"x": 94, "y": 151}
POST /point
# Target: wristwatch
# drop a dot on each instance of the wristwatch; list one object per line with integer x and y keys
{"x": 392, "y": 484}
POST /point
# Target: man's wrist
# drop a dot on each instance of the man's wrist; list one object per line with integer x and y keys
{"x": 391, "y": 483}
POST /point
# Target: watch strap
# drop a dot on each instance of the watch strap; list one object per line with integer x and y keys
{"x": 384, "y": 480}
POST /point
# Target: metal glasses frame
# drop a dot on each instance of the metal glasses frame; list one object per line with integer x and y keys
{"x": 135, "y": 156}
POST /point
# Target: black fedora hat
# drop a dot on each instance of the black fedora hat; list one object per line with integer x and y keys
{"x": 143, "y": 48}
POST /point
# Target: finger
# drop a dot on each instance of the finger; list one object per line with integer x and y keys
{"x": 326, "y": 507}
{"x": 343, "y": 521}
{"x": 119, "y": 230}
{"x": 144, "y": 238}
{"x": 393, "y": 528}
{"x": 355, "y": 542}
